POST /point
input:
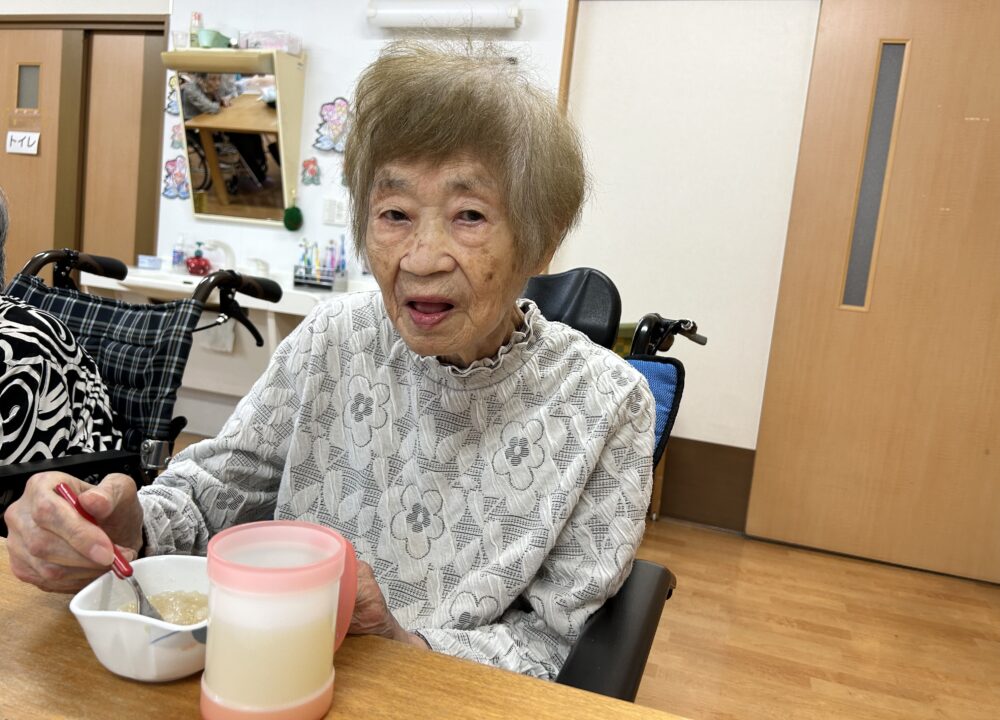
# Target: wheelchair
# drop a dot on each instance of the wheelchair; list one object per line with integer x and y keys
{"x": 233, "y": 166}
{"x": 610, "y": 654}
{"x": 140, "y": 351}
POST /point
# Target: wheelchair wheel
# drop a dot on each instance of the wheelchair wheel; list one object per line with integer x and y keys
{"x": 201, "y": 178}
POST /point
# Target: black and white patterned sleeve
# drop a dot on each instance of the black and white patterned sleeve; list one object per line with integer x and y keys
{"x": 54, "y": 401}
{"x": 589, "y": 562}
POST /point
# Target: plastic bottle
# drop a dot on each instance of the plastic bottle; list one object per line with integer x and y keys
{"x": 196, "y": 26}
{"x": 330, "y": 259}
{"x": 177, "y": 258}
{"x": 342, "y": 258}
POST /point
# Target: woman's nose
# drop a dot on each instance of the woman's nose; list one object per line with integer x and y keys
{"x": 430, "y": 251}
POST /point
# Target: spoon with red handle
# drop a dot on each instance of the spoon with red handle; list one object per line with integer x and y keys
{"x": 121, "y": 567}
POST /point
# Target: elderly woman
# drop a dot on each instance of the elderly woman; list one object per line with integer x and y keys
{"x": 491, "y": 467}
{"x": 210, "y": 93}
{"x": 52, "y": 400}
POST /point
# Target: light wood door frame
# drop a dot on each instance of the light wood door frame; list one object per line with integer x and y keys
{"x": 43, "y": 189}
{"x": 71, "y": 132}
{"x": 880, "y": 431}
{"x": 122, "y": 152}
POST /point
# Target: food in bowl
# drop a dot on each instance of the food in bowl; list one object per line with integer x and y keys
{"x": 176, "y": 606}
{"x": 136, "y": 646}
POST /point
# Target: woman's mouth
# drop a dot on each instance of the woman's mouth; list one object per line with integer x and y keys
{"x": 428, "y": 312}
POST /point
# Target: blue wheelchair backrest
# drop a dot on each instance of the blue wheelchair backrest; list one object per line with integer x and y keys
{"x": 665, "y": 376}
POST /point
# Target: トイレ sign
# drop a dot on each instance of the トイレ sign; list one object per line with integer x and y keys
{"x": 20, "y": 142}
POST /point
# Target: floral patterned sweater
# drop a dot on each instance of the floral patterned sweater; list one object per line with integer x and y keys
{"x": 499, "y": 505}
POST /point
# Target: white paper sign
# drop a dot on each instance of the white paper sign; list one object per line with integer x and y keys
{"x": 20, "y": 142}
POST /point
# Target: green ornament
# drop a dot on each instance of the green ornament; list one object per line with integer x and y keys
{"x": 293, "y": 218}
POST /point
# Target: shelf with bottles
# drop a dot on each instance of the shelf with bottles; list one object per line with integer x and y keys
{"x": 322, "y": 270}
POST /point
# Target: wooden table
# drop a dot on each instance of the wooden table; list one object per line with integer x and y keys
{"x": 47, "y": 670}
{"x": 246, "y": 114}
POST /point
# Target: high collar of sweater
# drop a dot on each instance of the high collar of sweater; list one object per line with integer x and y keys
{"x": 490, "y": 370}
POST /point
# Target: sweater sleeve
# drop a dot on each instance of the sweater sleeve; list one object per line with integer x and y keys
{"x": 234, "y": 477}
{"x": 194, "y": 96}
{"x": 589, "y": 562}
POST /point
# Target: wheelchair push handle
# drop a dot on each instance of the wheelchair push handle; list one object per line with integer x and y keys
{"x": 257, "y": 287}
{"x": 230, "y": 282}
{"x": 655, "y": 333}
{"x": 261, "y": 288}
{"x": 689, "y": 329}
{"x": 101, "y": 265}
{"x": 67, "y": 260}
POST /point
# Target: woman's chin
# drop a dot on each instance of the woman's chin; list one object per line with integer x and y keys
{"x": 425, "y": 341}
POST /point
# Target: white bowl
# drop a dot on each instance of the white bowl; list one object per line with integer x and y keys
{"x": 135, "y": 646}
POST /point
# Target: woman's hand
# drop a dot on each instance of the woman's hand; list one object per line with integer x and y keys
{"x": 53, "y": 547}
{"x": 371, "y": 614}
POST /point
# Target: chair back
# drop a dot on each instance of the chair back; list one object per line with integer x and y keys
{"x": 665, "y": 376}
{"x": 140, "y": 350}
{"x": 610, "y": 655}
{"x": 583, "y": 298}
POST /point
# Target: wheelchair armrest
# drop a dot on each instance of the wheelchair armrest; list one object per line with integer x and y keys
{"x": 610, "y": 655}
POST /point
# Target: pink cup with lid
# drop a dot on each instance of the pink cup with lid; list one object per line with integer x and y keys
{"x": 281, "y": 595}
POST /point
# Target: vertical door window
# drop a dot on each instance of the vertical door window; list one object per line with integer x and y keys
{"x": 27, "y": 87}
{"x": 857, "y": 283}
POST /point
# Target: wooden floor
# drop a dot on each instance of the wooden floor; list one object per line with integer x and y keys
{"x": 760, "y": 630}
{"x": 185, "y": 439}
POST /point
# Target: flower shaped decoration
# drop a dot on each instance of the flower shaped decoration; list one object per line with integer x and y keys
{"x": 310, "y": 171}
{"x": 469, "y": 611}
{"x": 175, "y": 184}
{"x": 520, "y": 454}
{"x": 613, "y": 379}
{"x": 638, "y": 411}
{"x": 416, "y": 519}
{"x": 332, "y": 132}
{"x": 173, "y": 106}
{"x": 364, "y": 411}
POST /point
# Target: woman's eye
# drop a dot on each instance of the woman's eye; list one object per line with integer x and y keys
{"x": 472, "y": 216}
{"x": 394, "y": 215}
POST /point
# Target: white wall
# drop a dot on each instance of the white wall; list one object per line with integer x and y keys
{"x": 84, "y": 7}
{"x": 691, "y": 112}
{"x": 339, "y": 43}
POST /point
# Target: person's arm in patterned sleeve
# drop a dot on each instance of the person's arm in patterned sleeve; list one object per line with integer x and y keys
{"x": 231, "y": 479}
{"x": 196, "y": 101}
{"x": 590, "y": 561}
{"x": 234, "y": 477}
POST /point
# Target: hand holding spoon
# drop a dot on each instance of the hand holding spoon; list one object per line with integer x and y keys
{"x": 121, "y": 567}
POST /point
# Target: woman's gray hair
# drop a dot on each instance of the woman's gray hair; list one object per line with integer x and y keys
{"x": 423, "y": 101}
{"x": 4, "y": 219}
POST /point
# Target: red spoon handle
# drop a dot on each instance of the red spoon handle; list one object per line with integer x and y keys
{"x": 121, "y": 566}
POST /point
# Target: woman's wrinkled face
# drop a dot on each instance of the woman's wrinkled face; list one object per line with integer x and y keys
{"x": 440, "y": 247}
{"x": 211, "y": 83}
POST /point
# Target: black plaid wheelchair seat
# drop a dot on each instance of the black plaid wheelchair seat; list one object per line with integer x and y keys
{"x": 140, "y": 350}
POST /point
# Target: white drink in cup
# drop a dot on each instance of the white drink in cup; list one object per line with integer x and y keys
{"x": 280, "y": 601}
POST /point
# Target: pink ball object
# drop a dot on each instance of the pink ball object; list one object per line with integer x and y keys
{"x": 198, "y": 265}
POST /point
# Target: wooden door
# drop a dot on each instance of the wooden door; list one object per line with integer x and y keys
{"x": 880, "y": 431}
{"x": 42, "y": 189}
{"x": 124, "y": 124}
